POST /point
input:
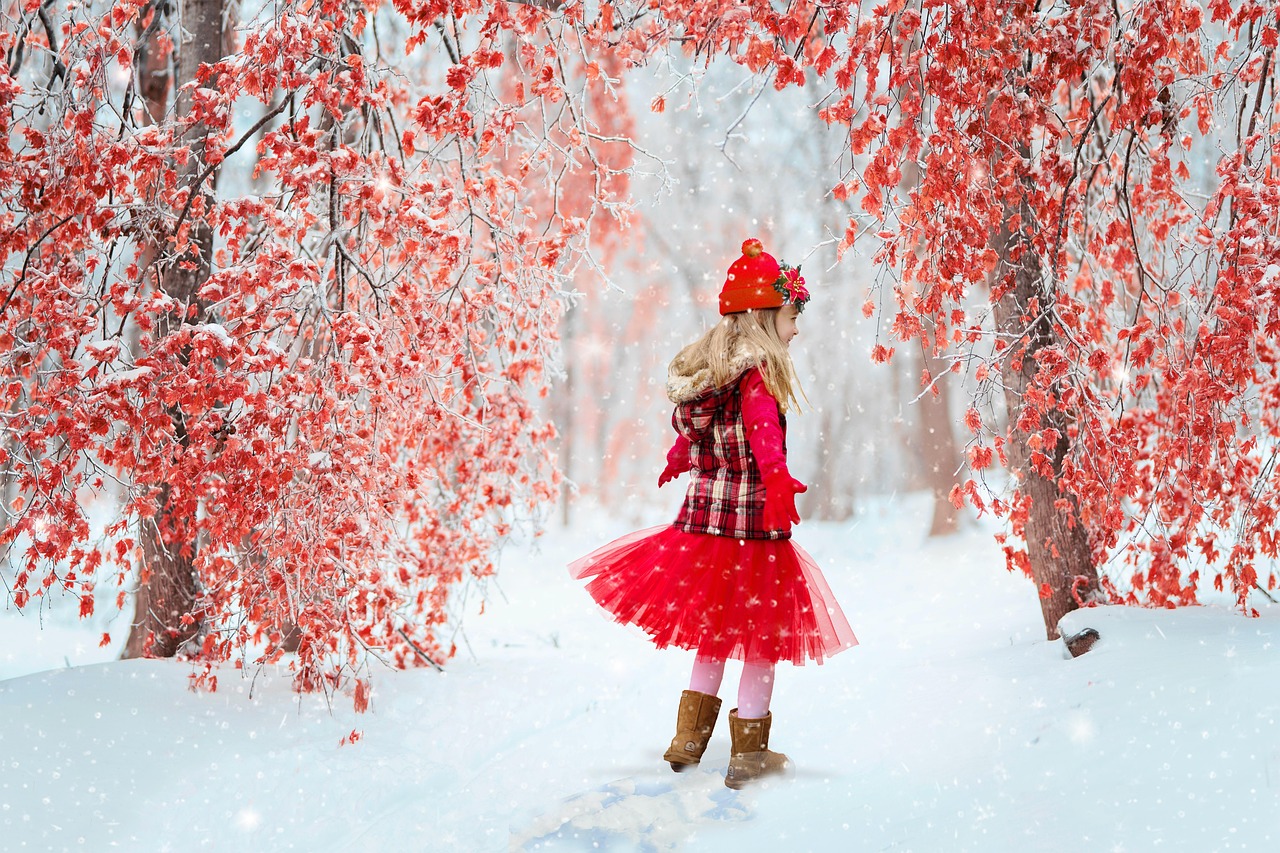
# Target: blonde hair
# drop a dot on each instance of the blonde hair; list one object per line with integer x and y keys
{"x": 739, "y": 341}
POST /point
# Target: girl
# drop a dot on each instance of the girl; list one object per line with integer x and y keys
{"x": 725, "y": 579}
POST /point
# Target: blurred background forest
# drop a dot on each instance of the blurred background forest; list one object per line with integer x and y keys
{"x": 731, "y": 158}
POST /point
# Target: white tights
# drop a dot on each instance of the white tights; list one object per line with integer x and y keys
{"x": 755, "y": 688}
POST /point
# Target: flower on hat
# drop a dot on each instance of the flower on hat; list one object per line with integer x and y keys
{"x": 791, "y": 285}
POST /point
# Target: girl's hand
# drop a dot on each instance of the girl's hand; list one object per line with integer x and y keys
{"x": 780, "y": 492}
{"x": 669, "y": 473}
{"x": 677, "y": 461}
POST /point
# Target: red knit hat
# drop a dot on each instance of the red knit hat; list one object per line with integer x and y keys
{"x": 757, "y": 280}
{"x": 750, "y": 280}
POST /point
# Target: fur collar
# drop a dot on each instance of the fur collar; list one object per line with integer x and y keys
{"x": 684, "y": 385}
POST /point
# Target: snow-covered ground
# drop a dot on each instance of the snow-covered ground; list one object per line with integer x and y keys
{"x": 954, "y": 726}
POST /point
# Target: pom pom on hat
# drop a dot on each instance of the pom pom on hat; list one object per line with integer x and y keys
{"x": 750, "y": 283}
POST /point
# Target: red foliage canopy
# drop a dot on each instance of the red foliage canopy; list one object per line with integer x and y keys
{"x": 1142, "y": 148}
{"x": 340, "y": 422}
{"x": 341, "y": 415}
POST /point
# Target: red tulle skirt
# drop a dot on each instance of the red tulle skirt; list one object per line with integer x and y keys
{"x": 755, "y": 600}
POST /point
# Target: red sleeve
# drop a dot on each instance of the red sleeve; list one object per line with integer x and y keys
{"x": 764, "y": 431}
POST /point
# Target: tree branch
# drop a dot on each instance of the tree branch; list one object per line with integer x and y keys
{"x": 418, "y": 650}
{"x": 209, "y": 168}
{"x": 26, "y": 262}
{"x": 59, "y": 70}
{"x": 724, "y": 144}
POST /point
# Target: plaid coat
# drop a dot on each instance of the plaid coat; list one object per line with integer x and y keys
{"x": 726, "y": 485}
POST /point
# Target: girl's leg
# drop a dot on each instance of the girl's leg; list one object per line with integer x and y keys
{"x": 750, "y": 756}
{"x": 707, "y": 675}
{"x": 755, "y": 690}
{"x": 699, "y": 708}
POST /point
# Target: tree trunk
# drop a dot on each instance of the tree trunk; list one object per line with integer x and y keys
{"x": 566, "y": 412}
{"x": 832, "y": 494}
{"x": 1057, "y": 544}
{"x": 8, "y": 474}
{"x": 155, "y": 67}
{"x": 938, "y": 457}
{"x": 164, "y": 618}
{"x": 935, "y": 455}
{"x": 166, "y": 593}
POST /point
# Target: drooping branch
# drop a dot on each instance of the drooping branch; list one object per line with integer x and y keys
{"x": 59, "y": 70}
{"x": 548, "y": 5}
{"x": 210, "y": 168}
{"x": 26, "y": 261}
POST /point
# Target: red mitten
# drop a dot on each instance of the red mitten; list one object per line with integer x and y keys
{"x": 677, "y": 461}
{"x": 780, "y": 490}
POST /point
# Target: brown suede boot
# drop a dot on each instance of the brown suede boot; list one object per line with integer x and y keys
{"x": 751, "y": 757}
{"x": 694, "y": 722}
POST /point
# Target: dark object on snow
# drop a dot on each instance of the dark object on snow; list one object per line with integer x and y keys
{"x": 1081, "y": 641}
